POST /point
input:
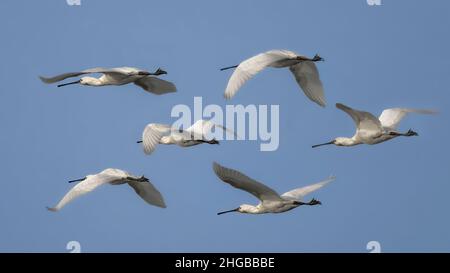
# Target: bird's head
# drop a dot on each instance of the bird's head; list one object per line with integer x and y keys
{"x": 244, "y": 208}
{"x": 344, "y": 141}
{"x": 339, "y": 141}
{"x": 159, "y": 71}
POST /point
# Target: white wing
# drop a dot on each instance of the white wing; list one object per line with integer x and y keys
{"x": 125, "y": 70}
{"x": 368, "y": 126}
{"x": 76, "y": 74}
{"x": 148, "y": 192}
{"x": 155, "y": 85}
{"x": 298, "y": 194}
{"x": 243, "y": 182}
{"x": 390, "y": 118}
{"x": 250, "y": 67}
{"x": 201, "y": 128}
{"x": 152, "y": 134}
{"x": 307, "y": 76}
{"x": 89, "y": 184}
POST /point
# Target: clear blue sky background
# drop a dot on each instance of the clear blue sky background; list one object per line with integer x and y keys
{"x": 394, "y": 55}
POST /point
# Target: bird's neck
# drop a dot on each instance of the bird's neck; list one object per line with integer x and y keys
{"x": 166, "y": 140}
{"x": 351, "y": 141}
{"x": 255, "y": 209}
{"x": 94, "y": 81}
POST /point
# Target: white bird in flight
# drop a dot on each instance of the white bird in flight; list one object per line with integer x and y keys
{"x": 119, "y": 76}
{"x": 140, "y": 184}
{"x": 155, "y": 134}
{"x": 372, "y": 130}
{"x": 303, "y": 68}
{"x": 271, "y": 201}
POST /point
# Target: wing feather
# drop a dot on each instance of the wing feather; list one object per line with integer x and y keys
{"x": 390, "y": 118}
{"x": 148, "y": 193}
{"x": 298, "y": 194}
{"x": 250, "y": 67}
{"x": 76, "y": 74}
{"x": 152, "y": 134}
{"x": 368, "y": 126}
{"x": 85, "y": 186}
{"x": 243, "y": 182}
{"x": 307, "y": 76}
{"x": 155, "y": 85}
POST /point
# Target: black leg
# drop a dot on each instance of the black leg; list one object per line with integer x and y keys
{"x": 411, "y": 133}
{"x": 314, "y": 202}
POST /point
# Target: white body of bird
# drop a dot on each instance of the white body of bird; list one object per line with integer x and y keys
{"x": 119, "y": 76}
{"x": 303, "y": 69}
{"x": 270, "y": 200}
{"x": 372, "y": 130}
{"x": 155, "y": 134}
{"x": 140, "y": 184}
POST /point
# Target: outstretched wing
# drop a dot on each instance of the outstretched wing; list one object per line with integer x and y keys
{"x": 390, "y": 118}
{"x": 156, "y": 86}
{"x": 85, "y": 186}
{"x": 298, "y": 194}
{"x": 368, "y": 126}
{"x": 307, "y": 76}
{"x": 76, "y": 74}
{"x": 243, "y": 182}
{"x": 250, "y": 67}
{"x": 148, "y": 192}
{"x": 202, "y": 128}
{"x": 152, "y": 134}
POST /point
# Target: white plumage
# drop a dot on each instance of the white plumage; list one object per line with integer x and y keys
{"x": 155, "y": 134}
{"x": 303, "y": 69}
{"x": 141, "y": 185}
{"x": 119, "y": 76}
{"x": 373, "y": 130}
{"x": 271, "y": 201}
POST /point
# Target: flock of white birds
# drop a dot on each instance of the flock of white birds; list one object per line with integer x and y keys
{"x": 369, "y": 129}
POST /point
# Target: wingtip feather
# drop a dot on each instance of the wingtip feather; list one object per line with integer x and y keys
{"x": 54, "y": 209}
{"x": 44, "y": 79}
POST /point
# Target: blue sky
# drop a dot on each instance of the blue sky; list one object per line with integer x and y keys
{"x": 394, "y": 55}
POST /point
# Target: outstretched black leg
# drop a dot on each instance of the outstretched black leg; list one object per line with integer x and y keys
{"x": 409, "y": 133}
{"x": 212, "y": 141}
{"x": 313, "y": 202}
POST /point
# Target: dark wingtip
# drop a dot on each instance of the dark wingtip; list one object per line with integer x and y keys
{"x": 51, "y": 209}
{"x": 43, "y": 79}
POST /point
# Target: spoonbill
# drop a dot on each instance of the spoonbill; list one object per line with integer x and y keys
{"x": 140, "y": 184}
{"x": 155, "y": 133}
{"x": 119, "y": 76}
{"x": 371, "y": 130}
{"x": 271, "y": 201}
{"x": 303, "y": 68}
